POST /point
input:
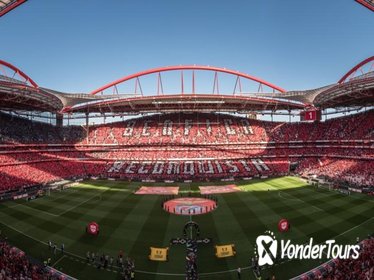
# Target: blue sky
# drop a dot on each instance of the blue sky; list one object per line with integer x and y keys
{"x": 77, "y": 46}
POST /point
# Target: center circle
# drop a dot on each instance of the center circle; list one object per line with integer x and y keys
{"x": 189, "y": 206}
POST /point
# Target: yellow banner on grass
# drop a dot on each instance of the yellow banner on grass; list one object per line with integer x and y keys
{"x": 224, "y": 251}
{"x": 159, "y": 254}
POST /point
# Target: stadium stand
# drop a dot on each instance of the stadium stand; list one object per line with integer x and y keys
{"x": 16, "y": 129}
{"x": 346, "y": 171}
{"x": 361, "y": 268}
{"x": 15, "y": 264}
{"x": 193, "y": 146}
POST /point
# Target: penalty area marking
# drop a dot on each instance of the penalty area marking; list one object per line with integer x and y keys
{"x": 51, "y": 214}
{"x": 66, "y": 193}
{"x": 294, "y": 198}
{"x": 79, "y": 204}
{"x": 35, "y": 209}
{"x": 298, "y": 199}
{"x": 56, "y": 262}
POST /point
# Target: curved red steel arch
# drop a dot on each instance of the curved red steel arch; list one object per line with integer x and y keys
{"x": 358, "y": 66}
{"x": 9, "y": 7}
{"x": 19, "y": 72}
{"x": 186, "y": 67}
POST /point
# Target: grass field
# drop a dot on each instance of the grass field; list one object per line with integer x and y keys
{"x": 133, "y": 223}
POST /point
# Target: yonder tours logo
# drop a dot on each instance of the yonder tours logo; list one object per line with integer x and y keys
{"x": 267, "y": 249}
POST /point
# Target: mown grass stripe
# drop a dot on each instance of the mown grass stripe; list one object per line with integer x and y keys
{"x": 124, "y": 217}
{"x": 58, "y": 205}
{"x": 230, "y": 231}
{"x": 148, "y": 235}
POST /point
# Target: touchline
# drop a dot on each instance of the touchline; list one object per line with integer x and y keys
{"x": 310, "y": 251}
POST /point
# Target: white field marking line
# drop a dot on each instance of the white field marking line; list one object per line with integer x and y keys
{"x": 167, "y": 274}
{"x": 35, "y": 209}
{"x": 56, "y": 262}
{"x": 177, "y": 274}
{"x": 138, "y": 271}
{"x": 354, "y": 227}
{"x": 200, "y": 274}
{"x": 332, "y": 192}
{"x": 295, "y": 198}
{"x": 280, "y": 195}
{"x": 359, "y": 198}
{"x": 37, "y": 240}
{"x": 16, "y": 204}
{"x": 52, "y": 198}
{"x": 79, "y": 204}
{"x": 55, "y": 215}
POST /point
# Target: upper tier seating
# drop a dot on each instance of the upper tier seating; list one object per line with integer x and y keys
{"x": 187, "y": 129}
{"x": 193, "y": 129}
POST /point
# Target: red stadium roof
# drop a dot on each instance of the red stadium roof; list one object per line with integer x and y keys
{"x": 19, "y": 92}
{"x": 8, "y": 5}
{"x": 186, "y": 103}
{"x": 244, "y": 93}
{"x": 367, "y": 3}
{"x": 365, "y": 66}
{"x": 4, "y": 74}
{"x": 182, "y": 68}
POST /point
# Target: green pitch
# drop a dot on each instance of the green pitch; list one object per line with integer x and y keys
{"x": 133, "y": 223}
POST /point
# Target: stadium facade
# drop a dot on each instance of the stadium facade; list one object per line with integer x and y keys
{"x": 354, "y": 90}
{"x": 191, "y": 135}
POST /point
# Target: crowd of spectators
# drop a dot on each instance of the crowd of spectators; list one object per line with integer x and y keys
{"x": 185, "y": 147}
{"x": 15, "y": 129}
{"x": 15, "y": 265}
{"x": 353, "y": 172}
{"x": 182, "y": 128}
{"x": 185, "y": 129}
{"x": 193, "y": 169}
{"x": 232, "y": 152}
{"x": 30, "y": 174}
{"x": 361, "y": 268}
{"x": 40, "y": 153}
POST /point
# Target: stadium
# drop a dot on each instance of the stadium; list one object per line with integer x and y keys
{"x": 177, "y": 172}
